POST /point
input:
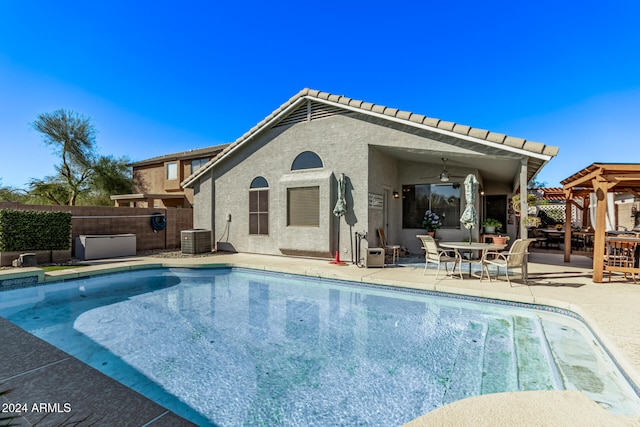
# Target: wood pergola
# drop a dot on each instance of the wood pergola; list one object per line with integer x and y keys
{"x": 598, "y": 178}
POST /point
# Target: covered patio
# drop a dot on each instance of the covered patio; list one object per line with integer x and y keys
{"x": 600, "y": 179}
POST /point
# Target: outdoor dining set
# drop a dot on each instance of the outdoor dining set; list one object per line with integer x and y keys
{"x": 490, "y": 255}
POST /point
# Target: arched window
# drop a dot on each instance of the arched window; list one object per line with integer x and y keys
{"x": 259, "y": 206}
{"x": 306, "y": 160}
{"x": 259, "y": 182}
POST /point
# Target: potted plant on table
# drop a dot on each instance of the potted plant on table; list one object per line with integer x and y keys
{"x": 490, "y": 225}
{"x": 500, "y": 239}
{"x": 431, "y": 222}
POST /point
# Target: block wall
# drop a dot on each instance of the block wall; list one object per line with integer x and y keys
{"x": 122, "y": 220}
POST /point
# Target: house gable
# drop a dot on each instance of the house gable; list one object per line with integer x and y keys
{"x": 310, "y": 105}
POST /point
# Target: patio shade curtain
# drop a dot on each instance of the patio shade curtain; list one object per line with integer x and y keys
{"x": 593, "y": 202}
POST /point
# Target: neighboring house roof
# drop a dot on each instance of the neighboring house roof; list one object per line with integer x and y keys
{"x": 553, "y": 194}
{"x": 183, "y": 155}
{"x": 532, "y": 149}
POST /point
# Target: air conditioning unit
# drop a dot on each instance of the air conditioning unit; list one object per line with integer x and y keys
{"x": 196, "y": 241}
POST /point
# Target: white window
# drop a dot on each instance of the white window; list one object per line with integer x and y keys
{"x": 197, "y": 164}
{"x": 172, "y": 171}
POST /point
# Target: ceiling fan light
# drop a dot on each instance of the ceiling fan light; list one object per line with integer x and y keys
{"x": 444, "y": 176}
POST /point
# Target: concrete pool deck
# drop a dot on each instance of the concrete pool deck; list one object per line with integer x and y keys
{"x": 611, "y": 310}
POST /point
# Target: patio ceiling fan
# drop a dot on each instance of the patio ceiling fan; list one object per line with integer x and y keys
{"x": 444, "y": 175}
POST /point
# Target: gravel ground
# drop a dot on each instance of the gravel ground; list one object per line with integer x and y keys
{"x": 172, "y": 253}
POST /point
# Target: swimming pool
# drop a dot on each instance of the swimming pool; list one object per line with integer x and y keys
{"x": 234, "y": 346}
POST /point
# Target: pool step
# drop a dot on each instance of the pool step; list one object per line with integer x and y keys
{"x": 517, "y": 357}
{"x": 499, "y": 364}
{"x": 536, "y": 368}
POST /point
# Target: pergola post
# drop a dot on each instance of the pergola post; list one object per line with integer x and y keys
{"x": 600, "y": 188}
{"x": 567, "y": 227}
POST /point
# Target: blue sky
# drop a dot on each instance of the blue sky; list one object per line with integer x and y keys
{"x": 158, "y": 77}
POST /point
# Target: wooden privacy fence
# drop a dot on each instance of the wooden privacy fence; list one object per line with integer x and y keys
{"x": 122, "y": 220}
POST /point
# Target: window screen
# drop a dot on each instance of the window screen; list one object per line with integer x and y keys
{"x": 303, "y": 206}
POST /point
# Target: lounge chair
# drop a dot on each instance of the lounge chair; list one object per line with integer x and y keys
{"x": 393, "y": 249}
{"x": 435, "y": 255}
{"x": 515, "y": 258}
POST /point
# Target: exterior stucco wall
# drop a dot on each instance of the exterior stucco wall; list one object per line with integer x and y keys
{"x": 359, "y": 146}
{"x": 152, "y": 179}
{"x": 203, "y": 202}
{"x": 341, "y": 144}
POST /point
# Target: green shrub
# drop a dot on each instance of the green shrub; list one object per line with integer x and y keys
{"x": 34, "y": 230}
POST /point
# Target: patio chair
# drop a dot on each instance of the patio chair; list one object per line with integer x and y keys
{"x": 393, "y": 249}
{"x": 515, "y": 258}
{"x": 621, "y": 254}
{"x": 435, "y": 255}
{"x": 541, "y": 238}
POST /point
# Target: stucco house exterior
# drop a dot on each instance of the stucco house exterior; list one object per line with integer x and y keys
{"x": 273, "y": 190}
{"x": 156, "y": 181}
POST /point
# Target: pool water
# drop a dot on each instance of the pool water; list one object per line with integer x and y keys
{"x": 243, "y": 347}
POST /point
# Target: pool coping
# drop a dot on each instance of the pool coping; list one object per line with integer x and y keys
{"x": 317, "y": 270}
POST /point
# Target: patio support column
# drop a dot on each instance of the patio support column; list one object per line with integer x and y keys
{"x": 600, "y": 188}
{"x": 524, "y": 205}
{"x": 524, "y": 211}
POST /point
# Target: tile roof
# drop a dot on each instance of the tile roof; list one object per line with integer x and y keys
{"x": 189, "y": 154}
{"x": 535, "y": 148}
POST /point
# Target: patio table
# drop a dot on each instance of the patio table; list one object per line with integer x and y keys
{"x": 470, "y": 248}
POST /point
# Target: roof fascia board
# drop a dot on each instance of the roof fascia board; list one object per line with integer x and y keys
{"x": 503, "y": 147}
